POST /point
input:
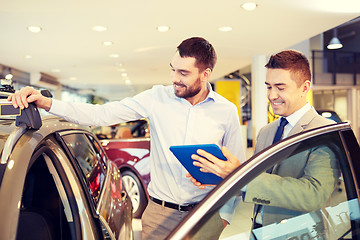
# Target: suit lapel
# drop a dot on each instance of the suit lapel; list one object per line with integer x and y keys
{"x": 300, "y": 126}
{"x": 303, "y": 122}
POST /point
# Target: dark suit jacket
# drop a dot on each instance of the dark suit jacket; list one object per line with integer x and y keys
{"x": 301, "y": 183}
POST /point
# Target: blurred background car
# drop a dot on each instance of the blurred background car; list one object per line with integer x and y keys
{"x": 128, "y": 146}
{"x": 330, "y": 115}
{"x": 56, "y": 181}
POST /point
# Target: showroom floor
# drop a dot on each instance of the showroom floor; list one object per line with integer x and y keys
{"x": 242, "y": 213}
{"x": 137, "y": 228}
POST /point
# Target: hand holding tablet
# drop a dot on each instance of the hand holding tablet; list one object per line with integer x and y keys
{"x": 183, "y": 154}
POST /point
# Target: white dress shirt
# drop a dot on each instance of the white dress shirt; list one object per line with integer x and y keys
{"x": 173, "y": 121}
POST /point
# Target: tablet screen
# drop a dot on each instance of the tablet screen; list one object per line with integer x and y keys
{"x": 183, "y": 154}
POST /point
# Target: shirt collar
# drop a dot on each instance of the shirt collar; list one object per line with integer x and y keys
{"x": 211, "y": 94}
{"x": 295, "y": 117}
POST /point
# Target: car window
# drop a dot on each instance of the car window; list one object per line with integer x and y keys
{"x": 90, "y": 160}
{"x": 99, "y": 151}
{"x": 316, "y": 202}
{"x": 112, "y": 215}
{"x": 132, "y": 129}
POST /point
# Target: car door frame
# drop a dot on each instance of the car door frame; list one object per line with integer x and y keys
{"x": 259, "y": 163}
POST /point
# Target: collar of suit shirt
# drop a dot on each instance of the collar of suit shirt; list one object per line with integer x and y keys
{"x": 294, "y": 118}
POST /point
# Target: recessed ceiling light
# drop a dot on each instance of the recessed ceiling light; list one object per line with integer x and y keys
{"x": 27, "y": 56}
{"x": 9, "y": 76}
{"x": 127, "y": 82}
{"x": 108, "y": 43}
{"x": 124, "y": 74}
{"x": 114, "y": 55}
{"x": 225, "y": 29}
{"x": 99, "y": 28}
{"x": 55, "y": 70}
{"x": 34, "y": 29}
{"x": 73, "y": 78}
{"x": 249, "y": 6}
{"x": 163, "y": 28}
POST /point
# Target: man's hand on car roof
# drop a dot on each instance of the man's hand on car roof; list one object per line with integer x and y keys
{"x": 28, "y": 95}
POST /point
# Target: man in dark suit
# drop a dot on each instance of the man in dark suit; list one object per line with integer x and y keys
{"x": 301, "y": 183}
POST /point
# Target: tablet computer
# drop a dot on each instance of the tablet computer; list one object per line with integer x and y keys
{"x": 183, "y": 154}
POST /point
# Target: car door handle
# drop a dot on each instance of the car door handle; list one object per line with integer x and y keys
{"x": 123, "y": 195}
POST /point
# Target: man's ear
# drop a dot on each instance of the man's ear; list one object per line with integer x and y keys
{"x": 206, "y": 74}
{"x": 306, "y": 87}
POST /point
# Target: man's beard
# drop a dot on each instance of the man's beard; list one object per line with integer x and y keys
{"x": 190, "y": 91}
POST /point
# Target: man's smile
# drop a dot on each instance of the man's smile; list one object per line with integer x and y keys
{"x": 179, "y": 85}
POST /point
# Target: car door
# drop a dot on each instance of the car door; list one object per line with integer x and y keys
{"x": 102, "y": 179}
{"x": 322, "y": 203}
{"x": 53, "y": 204}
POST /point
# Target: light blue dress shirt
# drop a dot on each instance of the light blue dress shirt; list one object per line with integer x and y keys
{"x": 173, "y": 121}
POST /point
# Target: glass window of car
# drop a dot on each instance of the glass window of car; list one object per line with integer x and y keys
{"x": 114, "y": 215}
{"x": 320, "y": 202}
{"x": 90, "y": 160}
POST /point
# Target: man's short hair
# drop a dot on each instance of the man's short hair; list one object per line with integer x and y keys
{"x": 201, "y": 50}
{"x": 293, "y": 61}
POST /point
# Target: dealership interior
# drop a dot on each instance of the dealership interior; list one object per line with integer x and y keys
{"x": 95, "y": 52}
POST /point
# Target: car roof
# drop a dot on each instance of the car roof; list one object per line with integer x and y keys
{"x": 10, "y": 133}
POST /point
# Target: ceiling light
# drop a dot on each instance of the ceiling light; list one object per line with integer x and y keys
{"x": 124, "y": 74}
{"x": 326, "y": 114}
{"x": 9, "y": 76}
{"x": 27, "y": 56}
{"x": 225, "y": 29}
{"x": 127, "y": 82}
{"x": 99, "y": 28}
{"x": 55, "y": 70}
{"x": 107, "y": 43}
{"x": 334, "y": 42}
{"x": 6, "y": 73}
{"x": 163, "y": 28}
{"x": 34, "y": 29}
{"x": 249, "y": 6}
{"x": 73, "y": 78}
{"x": 114, "y": 55}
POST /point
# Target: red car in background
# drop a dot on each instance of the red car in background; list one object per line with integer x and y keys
{"x": 128, "y": 146}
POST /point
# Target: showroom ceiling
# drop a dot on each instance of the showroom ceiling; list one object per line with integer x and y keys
{"x": 68, "y": 48}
